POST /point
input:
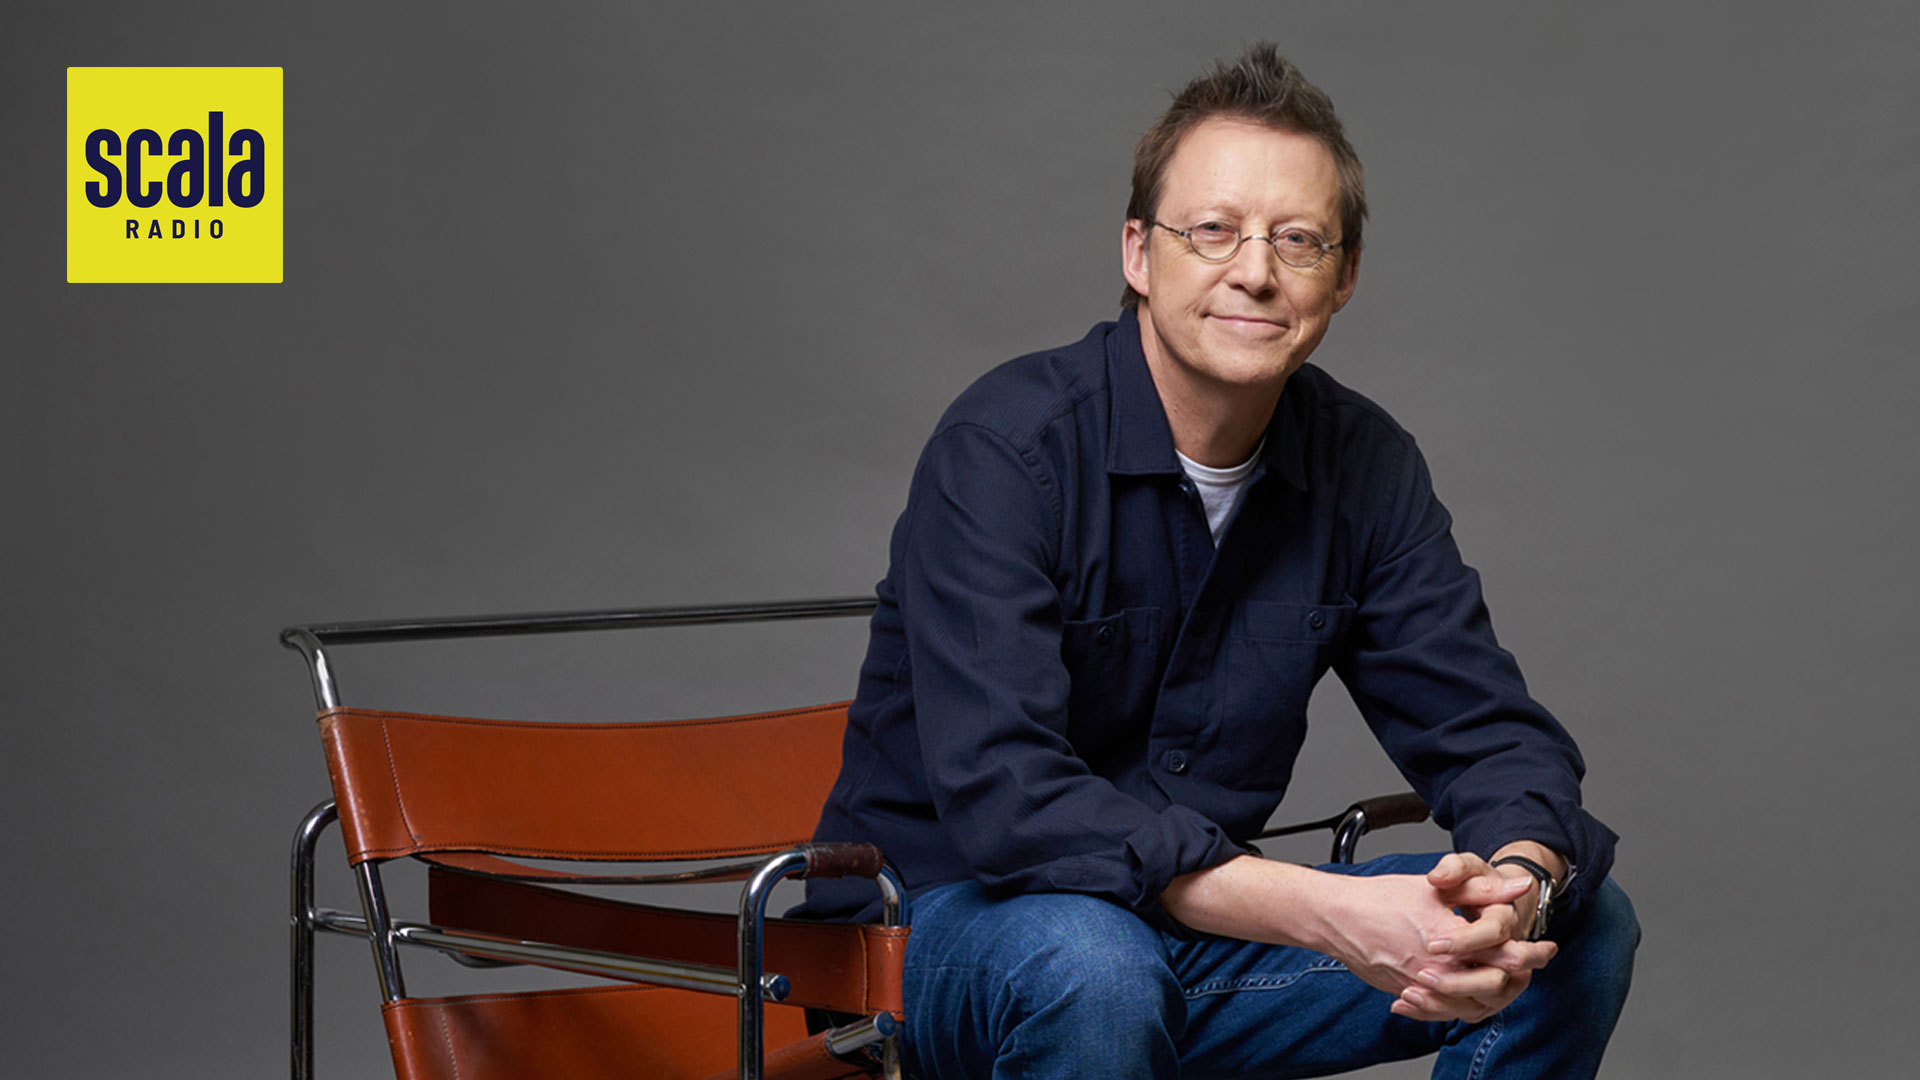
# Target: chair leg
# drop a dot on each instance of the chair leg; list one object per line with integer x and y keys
{"x": 753, "y": 917}
{"x": 893, "y": 912}
{"x": 300, "y": 921}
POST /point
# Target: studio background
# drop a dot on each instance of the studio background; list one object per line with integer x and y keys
{"x": 626, "y": 304}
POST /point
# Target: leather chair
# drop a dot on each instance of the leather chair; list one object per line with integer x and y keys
{"x": 690, "y": 994}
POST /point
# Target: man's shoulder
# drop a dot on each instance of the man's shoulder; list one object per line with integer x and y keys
{"x": 1344, "y": 411}
{"x": 1021, "y": 399}
{"x": 1353, "y": 440}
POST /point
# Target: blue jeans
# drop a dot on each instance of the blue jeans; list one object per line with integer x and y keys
{"x": 1057, "y": 984}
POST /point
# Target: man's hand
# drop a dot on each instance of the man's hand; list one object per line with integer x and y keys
{"x": 1397, "y": 932}
{"x": 1491, "y": 960}
{"x": 1484, "y": 894}
{"x": 1401, "y": 934}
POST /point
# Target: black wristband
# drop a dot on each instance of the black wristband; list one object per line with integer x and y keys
{"x": 1540, "y": 873}
{"x": 1537, "y": 928}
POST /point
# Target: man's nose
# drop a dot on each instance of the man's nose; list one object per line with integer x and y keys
{"x": 1256, "y": 266}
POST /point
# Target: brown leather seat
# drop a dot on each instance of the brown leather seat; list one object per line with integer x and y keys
{"x": 587, "y": 1034}
{"x": 472, "y": 796}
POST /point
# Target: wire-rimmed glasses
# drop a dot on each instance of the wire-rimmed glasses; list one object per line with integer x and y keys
{"x": 1217, "y": 241}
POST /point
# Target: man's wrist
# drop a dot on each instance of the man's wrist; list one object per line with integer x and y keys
{"x": 1260, "y": 900}
{"x": 1536, "y": 906}
{"x": 1555, "y": 863}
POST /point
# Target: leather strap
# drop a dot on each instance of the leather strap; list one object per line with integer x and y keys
{"x": 1382, "y": 811}
{"x": 844, "y": 967}
{"x": 599, "y": 1033}
{"x": 1545, "y": 894}
{"x": 805, "y": 1060}
{"x": 1540, "y": 873}
{"x": 836, "y": 859}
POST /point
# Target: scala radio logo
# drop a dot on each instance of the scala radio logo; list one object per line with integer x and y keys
{"x": 174, "y": 174}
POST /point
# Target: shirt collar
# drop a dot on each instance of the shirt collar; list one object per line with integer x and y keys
{"x": 1141, "y": 443}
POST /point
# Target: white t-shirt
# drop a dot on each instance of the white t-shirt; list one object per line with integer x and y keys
{"x": 1219, "y": 488}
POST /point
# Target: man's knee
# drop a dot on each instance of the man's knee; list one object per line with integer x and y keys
{"x": 1048, "y": 952}
{"x": 1609, "y": 935}
{"x": 1064, "y": 947}
{"x": 1039, "y": 975}
{"x": 1595, "y": 964}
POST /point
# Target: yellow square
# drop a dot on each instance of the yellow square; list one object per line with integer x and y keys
{"x": 201, "y": 147}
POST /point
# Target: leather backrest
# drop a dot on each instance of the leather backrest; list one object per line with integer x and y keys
{"x": 409, "y": 783}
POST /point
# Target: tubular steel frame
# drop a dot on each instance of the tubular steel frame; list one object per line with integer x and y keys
{"x": 747, "y": 980}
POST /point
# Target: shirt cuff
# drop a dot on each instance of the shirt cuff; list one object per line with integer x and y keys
{"x": 1563, "y": 826}
{"x": 1176, "y": 841}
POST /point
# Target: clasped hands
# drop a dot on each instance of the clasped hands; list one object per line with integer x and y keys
{"x": 1443, "y": 965}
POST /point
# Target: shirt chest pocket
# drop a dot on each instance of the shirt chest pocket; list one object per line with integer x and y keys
{"x": 1274, "y": 654}
{"x": 1114, "y": 667}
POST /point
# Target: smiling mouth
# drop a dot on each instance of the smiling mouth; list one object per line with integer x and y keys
{"x": 1249, "y": 321}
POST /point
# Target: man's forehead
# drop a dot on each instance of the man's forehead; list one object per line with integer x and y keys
{"x": 1242, "y": 164}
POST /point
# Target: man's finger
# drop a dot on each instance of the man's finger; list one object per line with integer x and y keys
{"x": 1510, "y": 956}
{"x": 1486, "y": 890}
{"x": 1515, "y": 983}
{"x": 1456, "y": 867}
{"x": 1493, "y": 928}
{"x": 1424, "y": 1004}
{"x": 1482, "y": 983}
{"x": 1410, "y": 1005}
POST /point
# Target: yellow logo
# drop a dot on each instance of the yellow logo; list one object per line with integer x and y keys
{"x": 174, "y": 174}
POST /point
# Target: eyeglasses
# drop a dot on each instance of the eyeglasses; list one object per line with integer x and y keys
{"x": 1217, "y": 241}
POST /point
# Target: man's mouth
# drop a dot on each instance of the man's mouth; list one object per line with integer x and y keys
{"x": 1250, "y": 322}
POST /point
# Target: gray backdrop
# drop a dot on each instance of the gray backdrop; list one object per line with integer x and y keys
{"x": 611, "y": 304}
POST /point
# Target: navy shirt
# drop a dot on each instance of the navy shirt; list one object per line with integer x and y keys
{"x": 1069, "y": 689}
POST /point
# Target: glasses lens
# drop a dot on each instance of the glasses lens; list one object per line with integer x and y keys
{"x": 1298, "y": 247}
{"x": 1214, "y": 240}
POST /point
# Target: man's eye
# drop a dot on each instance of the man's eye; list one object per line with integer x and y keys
{"x": 1299, "y": 238}
{"x": 1214, "y": 230}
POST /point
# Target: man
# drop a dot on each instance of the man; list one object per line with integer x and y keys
{"x": 1122, "y": 567}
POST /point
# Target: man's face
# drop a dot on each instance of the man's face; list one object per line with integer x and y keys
{"x": 1253, "y": 320}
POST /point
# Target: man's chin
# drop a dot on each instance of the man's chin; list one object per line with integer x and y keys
{"x": 1252, "y": 368}
{"x": 1251, "y": 376}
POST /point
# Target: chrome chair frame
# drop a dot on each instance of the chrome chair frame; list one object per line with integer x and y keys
{"x": 1358, "y": 820}
{"x": 747, "y": 980}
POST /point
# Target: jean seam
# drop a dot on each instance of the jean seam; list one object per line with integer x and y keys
{"x": 1485, "y": 1049}
{"x": 1258, "y": 982}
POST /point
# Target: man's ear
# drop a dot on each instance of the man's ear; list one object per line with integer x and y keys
{"x": 1133, "y": 253}
{"x": 1349, "y": 277}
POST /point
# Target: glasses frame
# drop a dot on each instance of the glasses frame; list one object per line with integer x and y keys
{"x": 1187, "y": 235}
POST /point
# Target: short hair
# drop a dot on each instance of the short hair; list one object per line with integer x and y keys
{"x": 1264, "y": 87}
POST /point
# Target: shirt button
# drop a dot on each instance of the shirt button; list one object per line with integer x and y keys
{"x": 1316, "y": 620}
{"x": 1176, "y": 762}
{"x": 1103, "y": 635}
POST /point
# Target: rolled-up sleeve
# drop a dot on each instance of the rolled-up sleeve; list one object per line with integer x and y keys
{"x": 976, "y": 570}
{"x": 1448, "y": 703}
